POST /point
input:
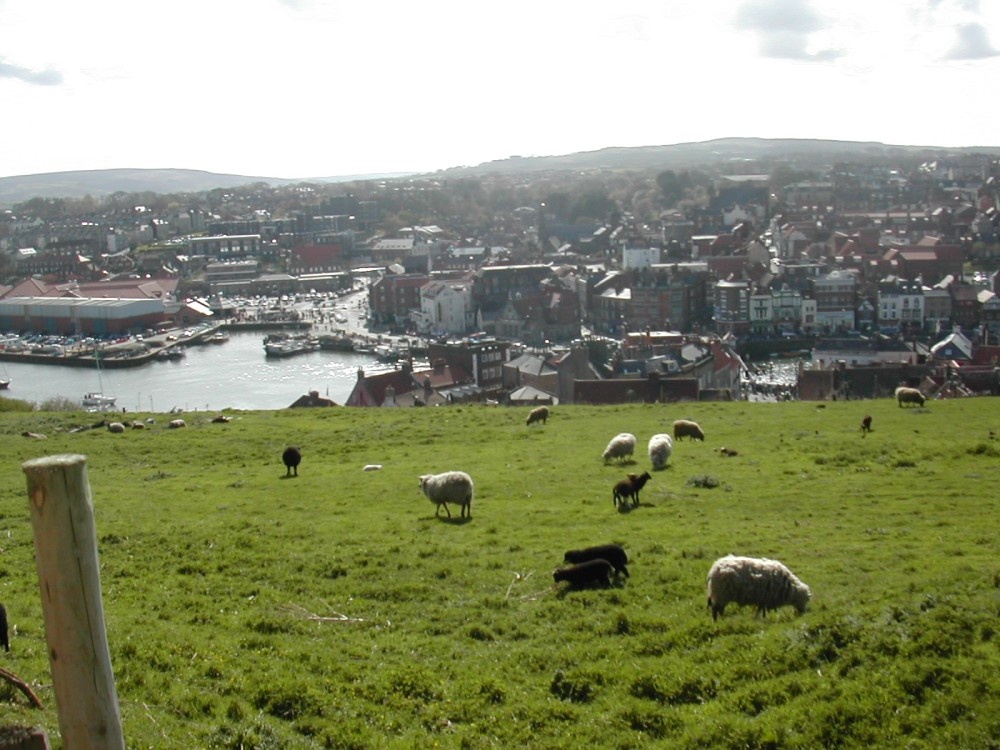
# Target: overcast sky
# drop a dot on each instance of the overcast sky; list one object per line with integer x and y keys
{"x": 311, "y": 88}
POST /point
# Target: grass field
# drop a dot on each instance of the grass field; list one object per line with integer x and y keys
{"x": 211, "y": 561}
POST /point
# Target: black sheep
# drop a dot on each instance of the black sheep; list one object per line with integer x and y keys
{"x": 584, "y": 574}
{"x": 629, "y": 488}
{"x": 613, "y": 553}
{"x": 866, "y": 424}
{"x": 4, "y": 638}
{"x": 292, "y": 457}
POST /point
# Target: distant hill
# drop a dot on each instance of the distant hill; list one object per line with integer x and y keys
{"x": 689, "y": 155}
{"x": 100, "y": 183}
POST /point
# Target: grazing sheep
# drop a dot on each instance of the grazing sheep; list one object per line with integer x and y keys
{"x": 538, "y": 414}
{"x": 629, "y": 487}
{"x": 291, "y": 457}
{"x": 138, "y": 425}
{"x": 4, "y": 637}
{"x": 175, "y": 424}
{"x": 866, "y": 424}
{"x": 906, "y": 395}
{"x": 613, "y": 553}
{"x": 660, "y": 447}
{"x": 685, "y": 428}
{"x": 758, "y": 582}
{"x": 116, "y": 427}
{"x": 448, "y": 487}
{"x": 585, "y": 574}
{"x": 622, "y": 446}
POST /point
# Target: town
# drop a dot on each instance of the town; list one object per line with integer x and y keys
{"x": 605, "y": 286}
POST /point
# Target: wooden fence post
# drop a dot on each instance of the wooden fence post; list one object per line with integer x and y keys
{"x": 62, "y": 518}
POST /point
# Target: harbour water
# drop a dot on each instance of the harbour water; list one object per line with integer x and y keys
{"x": 211, "y": 377}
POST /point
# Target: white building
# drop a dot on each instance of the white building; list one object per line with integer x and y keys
{"x": 445, "y": 307}
{"x": 634, "y": 258}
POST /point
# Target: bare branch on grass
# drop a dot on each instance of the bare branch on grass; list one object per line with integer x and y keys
{"x": 520, "y": 578}
{"x": 302, "y": 613}
{"x": 21, "y": 685}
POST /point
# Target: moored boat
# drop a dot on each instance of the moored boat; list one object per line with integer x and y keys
{"x": 97, "y": 401}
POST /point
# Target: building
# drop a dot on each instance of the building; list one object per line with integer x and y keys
{"x": 835, "y": 301}
{"x": 900, "y": 306}
{"x": 445, "y": 307}
{"x": 732, "y": 307}
{"x": 69, "y": 316}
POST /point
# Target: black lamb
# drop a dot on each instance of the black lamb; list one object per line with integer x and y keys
{"x": 292, "y": 457}
{"x": 613, "y": 553}
{"x": 590, "y": 573}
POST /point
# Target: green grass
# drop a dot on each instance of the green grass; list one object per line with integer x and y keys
{"x": 209, "y": 557}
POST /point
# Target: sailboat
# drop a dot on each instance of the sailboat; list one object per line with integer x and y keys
{"x": 96, "y": 400}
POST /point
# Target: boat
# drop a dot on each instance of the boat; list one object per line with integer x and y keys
{"x": 336, "y": 342}
{"x": 98, "y": 401}
{"x": 219, "y": 337}
{"x": 288, "y": 346}
{"x": 171, "y": 352}
{"x": 4, "y": 385}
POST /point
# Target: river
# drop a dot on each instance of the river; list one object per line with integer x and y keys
{"x": 212, "y": 377}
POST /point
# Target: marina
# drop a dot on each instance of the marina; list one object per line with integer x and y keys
{"x": 235, "y": 374}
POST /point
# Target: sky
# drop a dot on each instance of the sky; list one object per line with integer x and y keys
{"x": 321, "y": 88}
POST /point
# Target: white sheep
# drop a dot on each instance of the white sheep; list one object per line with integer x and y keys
{"x": 660, "y": 447}
{"x": 622, "y": 446}
{"x": 905, "y": 395}
{"x": 449, "y": 487}
{"x": 757, "y": 582}
{"x": 116, "y": 427}
{"x": 175, "y": 424}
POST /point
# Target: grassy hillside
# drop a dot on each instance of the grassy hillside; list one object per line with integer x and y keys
{"x": 211, "y": 561}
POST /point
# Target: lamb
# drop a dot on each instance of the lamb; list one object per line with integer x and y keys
{"x": 629, "y": 488}
{"x": 758, "y": 582}
{"x": 866, "y": 424}
{"x": 175, "y": 424}
{"x": 622, "y": 446}
{"x": 116, "y": 427}
{"x": 685, "y": 428}
{"x": 613, "y": 553}
{"x": 291, "y": 457}
{"x": 449, "y": 487}
{"x": 136, "y": 425}
{"x": 905, "y": 395}
{"x": 538, "y": 414}
{"x": 660, "y": 447}
{"x": 4, "y": 637}
{"x": 584, "y": 574}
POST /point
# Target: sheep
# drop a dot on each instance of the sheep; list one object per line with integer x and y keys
{"x": 4, "y": 636}
{"x": 587, "y": 573}
{"x": 291, "y": 457}
{"x": 728, "y": 452}
{"x": 905, "y": 395}
{"x": 116, "y": 427}
{"x": 175, "y": 424}
{"x": 538, "y": 414}
{"x": 136, "y": 425}
{"x": 866, "y": 424}
{"x": 660, "y": 447}
{"x": 220, "y": 419}
{"x": 622, "y": 446}
{"x": 759, "y": 582}
{"x": 613, "y": 553}
{"x": 372, "y": 467}
{"x": 34, "y": 435}
{"x": 685, "y": 428}
{"x": 629, "y": 488}
{"x": 448, "y": 487}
